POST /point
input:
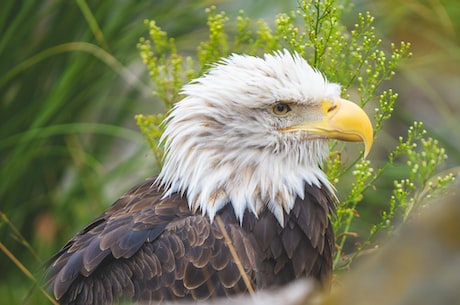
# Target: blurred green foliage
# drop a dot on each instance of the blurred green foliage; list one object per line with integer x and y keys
{"x": 72, "y": 80}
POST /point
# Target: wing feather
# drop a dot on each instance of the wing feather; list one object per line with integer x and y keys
{"x": 149, "y": 248}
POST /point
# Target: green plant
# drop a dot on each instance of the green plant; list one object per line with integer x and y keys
{"x": 69, "y": 85}
{"x": 354, "y": 57}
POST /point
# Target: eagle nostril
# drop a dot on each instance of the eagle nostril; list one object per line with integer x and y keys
{"x": 332, "y": 108}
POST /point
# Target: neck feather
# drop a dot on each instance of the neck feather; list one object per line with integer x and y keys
{"x": 212, "y": 173}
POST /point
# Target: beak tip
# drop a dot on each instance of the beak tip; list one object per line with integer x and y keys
{"x": 366, "y": 151}
{"x": 368, "y": 140}
{"x": 368, "y": 145}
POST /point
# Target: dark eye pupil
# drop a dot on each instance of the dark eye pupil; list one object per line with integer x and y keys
{"x": 281, "y": 108}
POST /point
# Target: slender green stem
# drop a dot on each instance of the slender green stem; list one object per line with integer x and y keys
{"x": 96, "y": 51}
{"x": 26, "y": 272}
{"x": 93, "y": 24}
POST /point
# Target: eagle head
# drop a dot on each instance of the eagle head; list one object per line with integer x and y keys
{"x": 253, "y": 131}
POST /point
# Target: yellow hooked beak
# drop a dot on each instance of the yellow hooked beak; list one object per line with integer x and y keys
{"x": 342, "y": 120}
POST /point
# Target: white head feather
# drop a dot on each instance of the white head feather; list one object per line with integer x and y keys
{"x": 224, "y": 144}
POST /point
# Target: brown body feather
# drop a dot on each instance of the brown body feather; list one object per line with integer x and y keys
{"x": 150, "y": 248}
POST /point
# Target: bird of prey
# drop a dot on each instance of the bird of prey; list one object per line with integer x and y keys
{"x": 241, "y": 202}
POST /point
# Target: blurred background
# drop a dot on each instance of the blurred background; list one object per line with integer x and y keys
{"x": 70, "y": 87}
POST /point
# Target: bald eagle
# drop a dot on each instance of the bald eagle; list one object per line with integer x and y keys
{"x": 241, "y": 202}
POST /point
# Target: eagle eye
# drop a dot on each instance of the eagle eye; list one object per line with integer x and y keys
{"x": 281, "y": 109}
